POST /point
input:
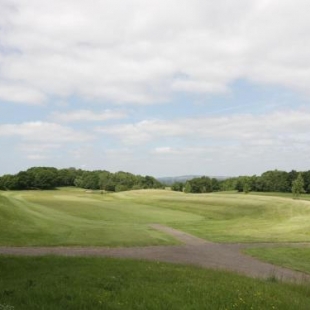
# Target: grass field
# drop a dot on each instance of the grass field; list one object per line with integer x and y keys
{"x": 289, "y": 257}
{"x": 284, "y": 195}
{"x": 92, "y": 283}
{"x": 73, "y": 217}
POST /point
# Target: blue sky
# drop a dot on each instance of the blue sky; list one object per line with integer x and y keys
{"x": 164, "y": 88}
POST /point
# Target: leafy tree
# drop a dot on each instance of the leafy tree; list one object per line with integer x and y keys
{"x": 9, "y": 182}
{"x": 215, "y": 185}
{"x": 298, "y": 186}
{"x": 188, "y": 187}
{"x": 228, "y": 184}
{"x": 276, "y": 181}
{"x": 239, "y": 185}
{"x": 66, "y": 177}
{"x": 121, "y": 188}
{"x": 104, "y": 179}
{"x": 177, "y": 186}
{"x": 49, "y": 178}
{"x": 246, "y": 185}
{"x": 199, "y": 185}
{"x": 306, "y": 177}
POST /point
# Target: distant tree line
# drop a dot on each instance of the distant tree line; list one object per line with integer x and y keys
{"x": 197, "y": 185}
{"x": 50, "y": 178}
{"x": 269, "y": 181}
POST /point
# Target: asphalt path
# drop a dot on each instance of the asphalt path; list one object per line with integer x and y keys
{"x": 193, "y": 251}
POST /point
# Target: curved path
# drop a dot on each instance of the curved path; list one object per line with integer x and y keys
{"x": 194, "y": 251}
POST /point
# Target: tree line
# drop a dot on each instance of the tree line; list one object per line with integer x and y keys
{"x": 197, "y": 185}
{"x": 50, "y": 178}
{"x": 269, "y": 181}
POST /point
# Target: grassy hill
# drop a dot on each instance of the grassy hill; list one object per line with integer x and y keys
{"x": 75, "y": 217}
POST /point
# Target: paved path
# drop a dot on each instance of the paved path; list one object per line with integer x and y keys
{"x": 194, "y": 251}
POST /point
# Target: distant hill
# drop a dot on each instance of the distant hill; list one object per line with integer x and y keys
{"x": 184, "y": 178}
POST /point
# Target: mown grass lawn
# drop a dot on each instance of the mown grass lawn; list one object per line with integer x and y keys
{"x": 75, "y": 217}
{"x": 232, "y": 217}
{"x": 289, "y": 257}
{"x": 93, "y": 283}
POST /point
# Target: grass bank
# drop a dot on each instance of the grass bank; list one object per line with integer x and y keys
{"x": 94, "y": 283}
{"x": 75, "y": 217}
{"x": 235, "y": 217}
{"x": 289, "y": 257}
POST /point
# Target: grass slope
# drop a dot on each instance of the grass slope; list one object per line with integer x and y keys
{"x": 293, "y": 258}
{"x": 94, "y": 283}
{"x": 235, "y": 217}
{"x": 74, "y": 217}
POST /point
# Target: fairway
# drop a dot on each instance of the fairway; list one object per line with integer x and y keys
{"x": 74, "y": 217}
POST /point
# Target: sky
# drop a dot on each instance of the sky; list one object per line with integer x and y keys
{"x": 162, "y": 88}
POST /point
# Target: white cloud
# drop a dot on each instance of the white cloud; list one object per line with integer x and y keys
{"x": 165, "y": 150}
{"x": 87, "y": 115}
{"x": 142, "y": 51}
{"x": 71, "y": 53}
{"x": 20, "y": 94}
{"x": 280, "y": 127}
{"x": 38, "y": 147}
{"x": 143, "y": 131}
{"x": 43, "y": 132}
{"x": 36, "y": 157}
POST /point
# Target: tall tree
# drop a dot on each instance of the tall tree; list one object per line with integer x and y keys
{"x": 246, "y": 185}
{"x": 298, "y": 186}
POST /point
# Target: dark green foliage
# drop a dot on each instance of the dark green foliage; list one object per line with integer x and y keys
{"x": 306, "y": 178}
{"x": 177, "y": 186}
{"x": 298, "y": 186}
{"x": 49, "y": 178}
{"x": 215, "y": 184}
{"x": 269, "y": 181}
{"x": 228, "y": 184}
{"x": 9, "y": 182}
{"x": 199, "y": 185}
{"x": 276, "y": 181}
{"x": 246, "y": 185}
{"x": 44, "y": 178}
{"x": 243, "y": 184}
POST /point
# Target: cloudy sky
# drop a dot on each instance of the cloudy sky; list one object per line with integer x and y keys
{"x": 163, "y": 88}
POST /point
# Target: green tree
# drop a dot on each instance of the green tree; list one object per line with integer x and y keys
{"x": 188, "y": 187}
{"x": 177, "y": 186}
{"x": 104, "y": 179}
{"x": 275, "y": 181}
{"x": 246, "y": 185}
{"x": 298, "y": 186}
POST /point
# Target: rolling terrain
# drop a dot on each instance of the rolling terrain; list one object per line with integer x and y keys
{"x": 76, "y": 217}
{"x": 206, "y": 230}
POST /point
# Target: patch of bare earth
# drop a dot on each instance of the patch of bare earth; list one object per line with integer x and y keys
{"x": 194, "y": 251}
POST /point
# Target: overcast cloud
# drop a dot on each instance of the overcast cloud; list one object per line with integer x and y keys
{"x": 155, "y": 87}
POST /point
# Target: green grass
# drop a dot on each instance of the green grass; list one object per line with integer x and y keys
{"x": 285, "y": 195}
{"x": 236, "y": 217}
{"x": 73, "y": 217}
{"x": 289, "y": 257}
{"x": 94, "y": 283}
{"x": 77, "y": 218}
